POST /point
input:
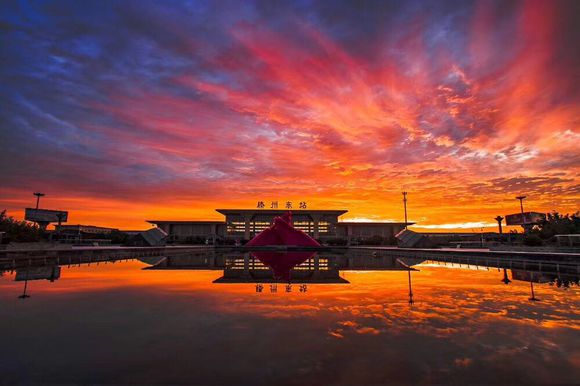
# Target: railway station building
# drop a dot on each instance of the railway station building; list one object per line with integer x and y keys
{"x": 244, "y": 224}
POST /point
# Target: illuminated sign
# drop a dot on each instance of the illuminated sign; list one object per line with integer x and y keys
{"x": 528, "y": 218}
{"x": 274, "y": 205}
{"x": 45, "y": 215}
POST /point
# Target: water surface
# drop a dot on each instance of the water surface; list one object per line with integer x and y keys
{"x": 130, "y": 323}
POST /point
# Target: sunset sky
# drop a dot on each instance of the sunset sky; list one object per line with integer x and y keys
{"x": 122, "y": 111}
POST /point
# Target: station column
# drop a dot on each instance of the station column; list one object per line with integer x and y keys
{"x": 316, "y": 220}
{"x": 247, "y": 221}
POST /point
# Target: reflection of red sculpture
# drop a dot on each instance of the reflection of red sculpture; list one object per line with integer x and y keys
{"x": 282, "y": 232}
{"x": 282, "y": 263}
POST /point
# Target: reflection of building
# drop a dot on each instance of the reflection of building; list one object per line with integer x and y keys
{"x": 246, "y": 223}
{"x": 281, "y": 267}
{"x": 50, "y": 273}
{"x": 249, "y": 269}
{"x": 544, "y": 277}
{"x": 536, "y": 277}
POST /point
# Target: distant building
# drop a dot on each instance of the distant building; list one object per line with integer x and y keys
{"x": 84, "y": 230}
{"x": 192, "y": 231}
{"x": 464, "y": 239}
{"x": 358, "y": 232}
{"x": 84, "y": 234}
{"x": 244, "y": 224}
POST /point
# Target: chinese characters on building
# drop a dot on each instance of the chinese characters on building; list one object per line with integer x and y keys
{"x": 286, "y": 205}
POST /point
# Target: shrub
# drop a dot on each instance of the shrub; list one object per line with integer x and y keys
{"x": 533, "y": 241}
{"x": 18, "y": 231}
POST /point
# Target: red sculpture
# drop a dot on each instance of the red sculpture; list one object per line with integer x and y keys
{"x": 282, "y": 232}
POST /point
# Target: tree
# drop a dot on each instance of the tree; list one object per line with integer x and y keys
{"x": 19, "y": 231}
{"x": 558, "y": 224}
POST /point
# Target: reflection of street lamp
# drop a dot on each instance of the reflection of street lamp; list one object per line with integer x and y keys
{"x": 505, "y": 279}
{"x": 533, "y": 297}
{"x": 24, "y": 295}
{"x": 411, "y": 301}
{"x": 405, "y": 206}
{"x": 38, "y": 195}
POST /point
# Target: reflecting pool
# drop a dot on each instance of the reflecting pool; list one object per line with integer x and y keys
{"x": 263, "y": 318}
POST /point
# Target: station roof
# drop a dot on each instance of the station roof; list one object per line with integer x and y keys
{"x": 371, "y": 223}
{"x": 337, "y": 212}
{"x": 72, "y": 226}
{"x": 185, "y": 222}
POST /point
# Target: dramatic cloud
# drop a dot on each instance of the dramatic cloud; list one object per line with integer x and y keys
{"x": 125, "y": 110}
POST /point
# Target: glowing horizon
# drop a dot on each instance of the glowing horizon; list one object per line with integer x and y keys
{"x": 124, "y": 112}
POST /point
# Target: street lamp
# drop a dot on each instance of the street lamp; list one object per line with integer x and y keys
{"x": 521, "y": 198}
{"x": 499, "y": 219}
{"x": 38, "y": 195}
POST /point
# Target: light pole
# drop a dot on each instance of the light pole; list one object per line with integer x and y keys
{"x": 499, "y": 219}
{"x": 521, "y": 198}
{"x": 405, "y": 206}
{"x": 38, "y": 195}
{"x": 24, "y": 295}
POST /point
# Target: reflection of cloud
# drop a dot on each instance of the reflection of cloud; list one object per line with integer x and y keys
{"x": 336, "y": 333}
{"x": 463, "y": 362}
{"x": 464, "y": 325}
{"x": 367, "y": 330}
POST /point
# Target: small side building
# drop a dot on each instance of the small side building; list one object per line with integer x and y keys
{"x": 84, "y": 234}
{"x": 154, "y": 237}
{"x": 83, "y": 229}
{"x": 369, "y": 232}
{"x": 192, "y": 232}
